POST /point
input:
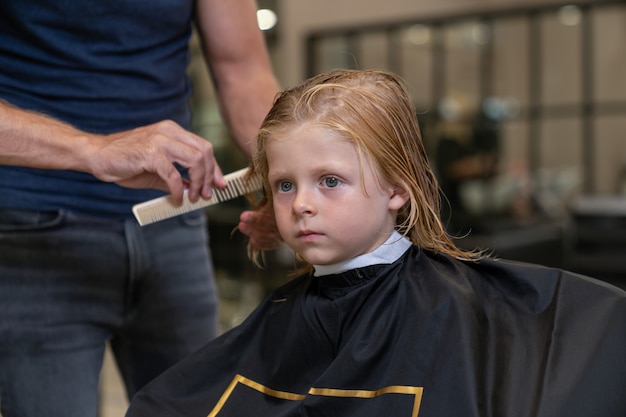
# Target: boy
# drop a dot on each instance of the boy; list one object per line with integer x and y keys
{"x": 388, "y": 317}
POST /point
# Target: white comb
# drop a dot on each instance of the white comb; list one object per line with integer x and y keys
{"x": 162, "y": 208}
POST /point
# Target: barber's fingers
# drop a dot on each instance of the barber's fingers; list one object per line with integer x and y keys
{"x": 205, "y": 173}
{"x": 191, "y": 152}
{"x": 173, "y": 179}
{"x": 195, "y": 154}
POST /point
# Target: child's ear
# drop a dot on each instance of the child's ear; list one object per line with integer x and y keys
{"x": 398, "y": 197}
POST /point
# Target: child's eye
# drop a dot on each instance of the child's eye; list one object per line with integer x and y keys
{"x": 285, "y": 186}
{"x": 331, "y": 182}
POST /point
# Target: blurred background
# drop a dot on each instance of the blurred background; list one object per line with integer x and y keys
{"x": 522, "y": 105}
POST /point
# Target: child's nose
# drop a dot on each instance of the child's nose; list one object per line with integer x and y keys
{"x": 303, "y": 203}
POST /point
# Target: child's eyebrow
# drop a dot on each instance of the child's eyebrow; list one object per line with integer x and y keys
{"x": 324, "y": 167}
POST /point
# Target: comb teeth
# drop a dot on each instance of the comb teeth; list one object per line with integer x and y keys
{"x": 162, "y": 208}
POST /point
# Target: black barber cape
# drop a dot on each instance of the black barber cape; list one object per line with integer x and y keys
{"x": 424, "y": 336}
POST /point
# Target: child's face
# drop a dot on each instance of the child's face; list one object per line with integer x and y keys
{"x": 322, "y": 211}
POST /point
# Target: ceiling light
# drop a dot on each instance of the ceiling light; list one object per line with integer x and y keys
{"x": 266, "y": 19}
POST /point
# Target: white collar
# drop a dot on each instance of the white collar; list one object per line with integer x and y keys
{"x": 389, "y": 252}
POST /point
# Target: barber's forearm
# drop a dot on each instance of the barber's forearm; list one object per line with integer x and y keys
{"x": 239, "y": 62}
{"x": 244, "y": 105}
{"x": 138, "y": 158}
{"x": 38, "y": 141}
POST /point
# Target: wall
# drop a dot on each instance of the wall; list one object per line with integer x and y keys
{"x": 299, "y": 17}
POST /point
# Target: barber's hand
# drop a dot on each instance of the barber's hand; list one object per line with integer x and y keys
{"x": 144, "y": 158}
{"x": 260, "y": 227}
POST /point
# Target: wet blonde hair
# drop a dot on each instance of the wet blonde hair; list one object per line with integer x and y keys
{"x": 372, "y": 110}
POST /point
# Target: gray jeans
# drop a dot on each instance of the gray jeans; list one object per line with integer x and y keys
{"x": 69, "y": 284}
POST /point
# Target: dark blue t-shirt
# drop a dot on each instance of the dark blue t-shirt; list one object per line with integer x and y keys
{"x": 102, "y": 66}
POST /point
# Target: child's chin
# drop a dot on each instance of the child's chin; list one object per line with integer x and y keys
{"x": 322, "y": 261}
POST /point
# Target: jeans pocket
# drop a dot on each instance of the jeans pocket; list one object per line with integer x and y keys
{"x": 29, "y": 220}
{"x": 194, "y": 218}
